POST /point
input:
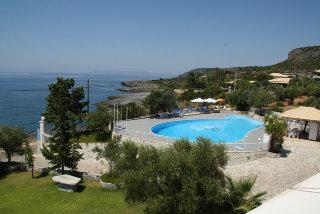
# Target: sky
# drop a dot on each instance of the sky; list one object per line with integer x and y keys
{"x": 169, "y": 37}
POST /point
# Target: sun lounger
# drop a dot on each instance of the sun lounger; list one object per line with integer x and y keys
{"x": 182, "y": 112}
{"x": 192, "y": 110}
{"x": 205, "y": 110}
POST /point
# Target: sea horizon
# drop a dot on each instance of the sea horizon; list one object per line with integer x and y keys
{"x": 23, "y": 94}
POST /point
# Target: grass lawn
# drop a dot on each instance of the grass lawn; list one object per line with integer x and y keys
{"x": 21, "y": 194}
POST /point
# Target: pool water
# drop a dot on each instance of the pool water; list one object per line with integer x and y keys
{"x": 233, "y": 128}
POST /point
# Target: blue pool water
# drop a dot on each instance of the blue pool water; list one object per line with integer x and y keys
{"x": 233, "y": 128}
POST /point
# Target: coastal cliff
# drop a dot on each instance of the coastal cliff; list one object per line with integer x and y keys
{"x": 301, "y": 61}
{"x": 138, "y": 91}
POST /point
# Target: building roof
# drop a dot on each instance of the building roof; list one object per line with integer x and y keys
{"x": 230, "y": 82}
{"x": 278, "y": 75}
{"x": 280, "y": 80}
{"x": 302, "y": 198}
{"x": 303, "y": 113}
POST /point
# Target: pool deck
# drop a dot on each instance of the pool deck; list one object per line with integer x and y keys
{"x": 141, "y": 128}
{"x": 299, "y": 161}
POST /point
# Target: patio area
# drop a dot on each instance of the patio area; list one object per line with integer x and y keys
{"x": 141, "y": 129}
{"x": 300, "y": 160}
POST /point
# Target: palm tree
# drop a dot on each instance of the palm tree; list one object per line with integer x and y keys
{"x": 238, "y": 199}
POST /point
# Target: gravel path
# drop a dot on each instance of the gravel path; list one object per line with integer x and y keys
{"x": 275, "y": 175}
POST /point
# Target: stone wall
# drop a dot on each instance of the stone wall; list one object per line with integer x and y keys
{"x": 87, "y": 150}
{"x": 237, "y": 157}
{"x": 141, "y": 141}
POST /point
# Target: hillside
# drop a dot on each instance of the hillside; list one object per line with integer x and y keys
{"x": 300, "y": 60}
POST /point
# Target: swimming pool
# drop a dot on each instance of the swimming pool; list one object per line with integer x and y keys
{"x": 233, "y": 128}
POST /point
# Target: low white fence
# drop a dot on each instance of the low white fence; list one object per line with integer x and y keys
{"x": 160, "y": 141}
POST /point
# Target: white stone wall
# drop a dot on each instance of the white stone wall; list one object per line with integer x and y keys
{"x": 87, "y": 150}
{"x": 237, "y": 157}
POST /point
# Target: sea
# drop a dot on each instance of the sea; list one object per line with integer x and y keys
{"x": 23, "y": 95}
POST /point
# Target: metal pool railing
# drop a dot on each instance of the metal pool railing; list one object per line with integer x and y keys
{"x": 234, "y": 146}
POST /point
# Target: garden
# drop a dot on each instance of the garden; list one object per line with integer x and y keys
{"x": 22, "y": 194}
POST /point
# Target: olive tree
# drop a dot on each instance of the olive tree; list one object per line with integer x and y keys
{"x": 160, "y": 100}
{"x": 99, "y": 119}
{"x": 185, "y": 178}
{"x": 110, "y": 151}
{"x": 260, "y": 98}
{"x": 11, "y": 140}
{"x": 239, "y": 99}
{"x": 290, "y": 93}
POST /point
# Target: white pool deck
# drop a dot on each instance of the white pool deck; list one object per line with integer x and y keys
{"x": 301, "y": 198}
{"x": 141, "y": 128}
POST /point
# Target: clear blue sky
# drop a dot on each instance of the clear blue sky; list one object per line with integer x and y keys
{"x": 152, "y": 36}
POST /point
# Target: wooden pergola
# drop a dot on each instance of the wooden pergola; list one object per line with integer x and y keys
{"x": 307, "y": 114}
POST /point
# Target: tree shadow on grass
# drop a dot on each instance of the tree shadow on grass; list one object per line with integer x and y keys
{"x": 6, "y": 168}
{"x": 80, "y": 188}
{"x": 285, "y": 153}
{"x": 44, "y": 173}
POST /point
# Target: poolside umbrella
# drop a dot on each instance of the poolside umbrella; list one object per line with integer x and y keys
{"x": 210, "y": 100}
{"x": 198, "y": 100}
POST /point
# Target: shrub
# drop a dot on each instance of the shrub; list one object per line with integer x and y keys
{"x": 99, "y": 120}
{"x": 11, "y": 140}
{"x": 239, "y": 199}
{"x": 280, "y": 104}
{"x": 110, "y": 151}
{"x": 185, "y": 178}
{"x": 111, "y": 177}
{"x": 276, "y": 127}
{"x": 160, "y": 100}
{"x": 276, "y": 108}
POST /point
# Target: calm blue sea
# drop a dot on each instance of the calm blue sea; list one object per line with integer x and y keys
{"x": 22, "y": 95}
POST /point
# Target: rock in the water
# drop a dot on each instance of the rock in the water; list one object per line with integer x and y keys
{"x": 139, "y": 89}
{"x": 124, "y": 99}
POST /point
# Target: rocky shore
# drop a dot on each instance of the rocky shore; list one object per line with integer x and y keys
{"x": 138, "y": 90}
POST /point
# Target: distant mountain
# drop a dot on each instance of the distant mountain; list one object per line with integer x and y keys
{"x": 300, "y": 60}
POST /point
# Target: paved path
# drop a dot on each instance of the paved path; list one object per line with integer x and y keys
{"x": 90, "y": 165}
{"x": 275, "y": 175}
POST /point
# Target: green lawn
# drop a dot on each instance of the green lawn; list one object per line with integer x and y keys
{"x": 21, "y": 194}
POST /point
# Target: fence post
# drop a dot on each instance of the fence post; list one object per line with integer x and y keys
{"x": 42, "y": 123}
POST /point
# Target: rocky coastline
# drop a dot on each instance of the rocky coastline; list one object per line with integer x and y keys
{"x": 138, "y": 91}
